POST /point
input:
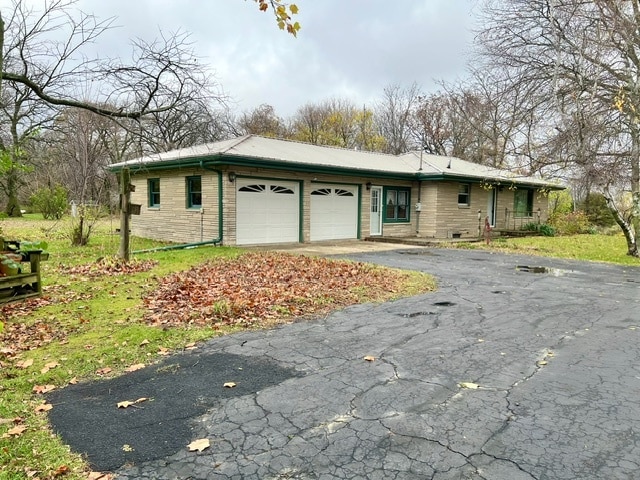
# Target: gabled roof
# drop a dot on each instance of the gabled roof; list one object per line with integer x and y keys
{"x": 257, "y": 151}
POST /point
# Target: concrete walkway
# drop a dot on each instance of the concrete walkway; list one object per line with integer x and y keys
{"x": 505, "y": 372}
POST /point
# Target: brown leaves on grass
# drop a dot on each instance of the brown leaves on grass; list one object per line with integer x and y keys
{"x": 28, "y": 336}
{"x": 109, "y": 266}
{"x": 259, "y": 288}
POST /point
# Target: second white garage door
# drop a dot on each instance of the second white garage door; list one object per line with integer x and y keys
{"x": 267, "y": 211}
{"x": 334, "y": 212}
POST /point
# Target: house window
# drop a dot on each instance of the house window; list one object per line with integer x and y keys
{"x": 153, "y": 187}
{"x": 396, "y": 205}
{"x": 464, "y": 194}
{"x": 523, "y": 203}
{"x": 194, "y": 192}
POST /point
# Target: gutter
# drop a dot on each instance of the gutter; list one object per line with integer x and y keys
{"x": 214, "y": 241}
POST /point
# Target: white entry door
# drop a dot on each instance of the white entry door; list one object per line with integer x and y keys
{"x": 376, "y": 211}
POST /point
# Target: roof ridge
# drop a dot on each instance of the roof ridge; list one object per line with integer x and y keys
{"x": 332, "y": 147}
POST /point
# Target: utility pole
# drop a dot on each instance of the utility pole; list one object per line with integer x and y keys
{"x": 125, "y": 197}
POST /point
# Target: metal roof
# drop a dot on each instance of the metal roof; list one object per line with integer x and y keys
{"x": 263, "y": 151}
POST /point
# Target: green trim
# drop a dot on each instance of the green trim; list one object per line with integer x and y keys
{"x": 150, "y": 193}
{"x": 359, "y": 226}
{"x": 301, "y": 213}
{"x": 222, "y": 160}
{"x": 190, "y": 205}
{"x": 385, "y": 190}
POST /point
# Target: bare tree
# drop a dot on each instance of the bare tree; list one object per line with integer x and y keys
{"x": 394, "y": 116}
{"x": 585, "y": 57}
{"x": 262, "y": 120}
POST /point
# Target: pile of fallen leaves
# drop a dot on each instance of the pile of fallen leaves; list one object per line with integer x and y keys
{"x": 258, "y": 288}
{"x": 109, "y": 266}
{"x": 17, "y": 336}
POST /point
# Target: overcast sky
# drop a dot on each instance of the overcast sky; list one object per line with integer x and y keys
{"x": 346, "y": 48}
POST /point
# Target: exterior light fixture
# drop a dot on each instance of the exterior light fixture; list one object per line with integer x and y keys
{"x": 368, "y": 185}
{"x": 232, "y": 177}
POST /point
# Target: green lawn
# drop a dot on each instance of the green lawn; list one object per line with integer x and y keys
{"x": 92, "y": 329}
{"x": 597, "y": 248}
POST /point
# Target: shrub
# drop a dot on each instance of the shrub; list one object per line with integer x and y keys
{"x": 597, "y": 210}
{"x": 571, "y": 223}
{"x": 51, "y": 202}
{"x": 541, "y": 228}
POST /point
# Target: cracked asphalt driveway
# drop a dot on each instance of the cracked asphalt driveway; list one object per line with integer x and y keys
{"x": 503, "y": 373}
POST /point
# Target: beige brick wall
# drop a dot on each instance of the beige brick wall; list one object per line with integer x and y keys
{"x": 440, "y": 217}
{"x": 173, "y": 221}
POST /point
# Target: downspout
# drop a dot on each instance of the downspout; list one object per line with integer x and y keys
{"x": 418, "y": 207}
{"x": 213, "y": 241}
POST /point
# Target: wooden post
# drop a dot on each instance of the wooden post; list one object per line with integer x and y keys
{"x": 125, "y": 197}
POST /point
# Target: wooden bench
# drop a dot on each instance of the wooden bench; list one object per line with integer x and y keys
{"x": 23, "y": 285}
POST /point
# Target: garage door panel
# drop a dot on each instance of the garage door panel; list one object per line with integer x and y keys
{"x": 334, "y": 212}
{"x": 267, "y": 212}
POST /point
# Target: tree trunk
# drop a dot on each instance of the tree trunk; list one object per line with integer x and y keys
{"x": 13, "y": 205}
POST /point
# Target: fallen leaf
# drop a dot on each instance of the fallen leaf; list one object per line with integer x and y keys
{"x": 61, "y": 470}
{"x": 144, "y": 342}
{"x": 550, "y": 354}
{"x": 542, "y": 362}
{"x": 199, "y": 445}
{"x": 49, "y": 366}
{"x": 15, "y": 431}
{"x": 88, "y": 347}
{"x": 127, "y": 448}
{"x": 73, "y": 381}
{"x": 137, "y": 366}
{"x": 45, "y": 407}
{"x": 369, "y": 358}
{"x": 128, "y": 403}
{"x": 103, "y": 371}
{"x": 25, "y": 363}
{"x": 190, "y": 346}
{"x": 469, "y": 385}
{"x": 99, "y": 476}
{"x": 43, "y": 388}
{"x": 163, "y": 351}
{"x": 229, "y": 385}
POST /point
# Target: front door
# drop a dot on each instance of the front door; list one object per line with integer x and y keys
{"x": 376, "y": 211}
{"x": 492, "y": 206}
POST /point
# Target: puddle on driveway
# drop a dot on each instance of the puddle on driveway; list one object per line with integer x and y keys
{"x": 415, "y": 314}
{"x": 556, "y": 272}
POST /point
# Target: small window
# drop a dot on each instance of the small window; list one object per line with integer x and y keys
{"x": 323, "y": 192}
{"x": 194, "y": 192}
{"x": 396, "y": 205}
{"x": 523, "y": 203}
{"x": 464, "y": 194}
{"x": 153, "y": 187}
{"x": 252, "y": 188}
{"x": 279, "y": 189}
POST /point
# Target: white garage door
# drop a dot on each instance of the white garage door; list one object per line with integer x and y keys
{"x": 334, "y": 212}
{"x": 267, "y": 211}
